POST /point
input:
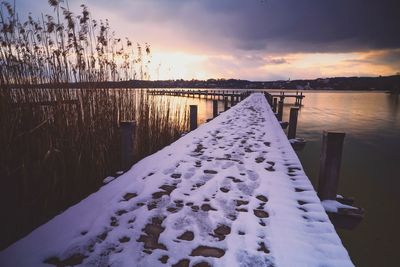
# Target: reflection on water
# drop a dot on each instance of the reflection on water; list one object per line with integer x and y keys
{"x": 370, "y": 166}
{"x": 204, "y": 107}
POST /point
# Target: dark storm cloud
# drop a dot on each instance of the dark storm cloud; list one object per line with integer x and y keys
{"x": 312, "y": 25}
{"x": 270, "y": 25}
{"x": 291, "y": 25}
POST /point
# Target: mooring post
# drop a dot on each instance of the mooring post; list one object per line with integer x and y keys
{"x": 232, "y": 100}
{"x": 293, "y": 122}
{"x": 225, "y": 104}
{"x": 301, "y": 99}
{"x": 127, "y": 129}
{"x": 329, "y": 168}
{"x": 282, "y": 96}
{"x": 280, "y": 110}
{"x": 193, "y": 117}
{"x": 269, "y": 98}
{"x": 275, "y": 104}
{"x": 215, "y": 108}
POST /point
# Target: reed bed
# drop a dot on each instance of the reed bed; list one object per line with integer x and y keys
{"x": 57, "y": 145}
{"x": 63, "y": 47}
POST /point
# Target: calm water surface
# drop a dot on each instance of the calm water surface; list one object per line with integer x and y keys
{"x": 370, "y": 169}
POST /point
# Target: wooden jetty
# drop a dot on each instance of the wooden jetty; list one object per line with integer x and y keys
{"x": 232, "y": 95}
{"x": 231, "y": 192}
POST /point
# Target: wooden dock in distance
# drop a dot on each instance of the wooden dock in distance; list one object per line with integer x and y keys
{"x": 232, "y": 95}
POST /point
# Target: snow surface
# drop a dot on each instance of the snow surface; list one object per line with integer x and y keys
{"x": 333, "y": 205}
{"x": 230, "y": 193}
{"x": 108, "y": 179}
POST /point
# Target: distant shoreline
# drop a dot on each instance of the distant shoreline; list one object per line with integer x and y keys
{"x": 383, "y": 83}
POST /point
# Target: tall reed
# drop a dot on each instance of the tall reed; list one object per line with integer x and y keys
{"x": 59, "y": 144}
{"x": 63, "y": 47}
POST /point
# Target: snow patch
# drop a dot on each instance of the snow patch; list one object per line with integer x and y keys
{"x": 333, "y": 206}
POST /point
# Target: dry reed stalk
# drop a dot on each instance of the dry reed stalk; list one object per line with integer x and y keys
{"x": 63, "y": 47}
{"x": 54, "y": 155}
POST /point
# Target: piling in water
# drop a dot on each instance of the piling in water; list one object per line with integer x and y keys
{"x": 215, "y": 108}
{"x": 193, "y": 117}
{"x": 293, "y": 122}
{"x": 127, "y": 142}
{"x": 331, "y": 156}
{"x": 226, "y": 104}
{"x": 275, "y": 104}
{"x": 280, "y": 110}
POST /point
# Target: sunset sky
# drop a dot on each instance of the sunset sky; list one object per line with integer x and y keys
{"x": 254, "y": 39}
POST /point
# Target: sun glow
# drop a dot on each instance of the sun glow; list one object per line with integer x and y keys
{"x": 313, "y": 65}
{"x": 177, "y": 65}
{"x": 186, "y": 65}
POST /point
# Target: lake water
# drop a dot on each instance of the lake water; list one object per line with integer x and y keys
{"x": 370, "y": 170}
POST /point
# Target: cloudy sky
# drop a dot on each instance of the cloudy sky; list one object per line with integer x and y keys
{"x": 255, "y": 39}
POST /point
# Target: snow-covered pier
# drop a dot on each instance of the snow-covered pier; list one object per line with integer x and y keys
{"x": 230, "y": 193}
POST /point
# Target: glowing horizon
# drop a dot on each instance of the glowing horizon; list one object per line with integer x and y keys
{"x": 252, "y": 40}
{"x": 188, "y": 66}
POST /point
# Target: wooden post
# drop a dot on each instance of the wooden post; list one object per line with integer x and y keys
{"x": 215, "y": 108}
{"x": 232, "y": 100}
{"x": 127, "y": 143}
{"x": 280, "y": 110}
{"x": 275, "y": 104}
{"x": 193, "y": 117}
{"x": 329, "y": 168}
{"x": 301, "y": 99}
{"x": 293, "y": 122}
{"x": 225, "y": 103}
{"x": 282, "y": 96}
